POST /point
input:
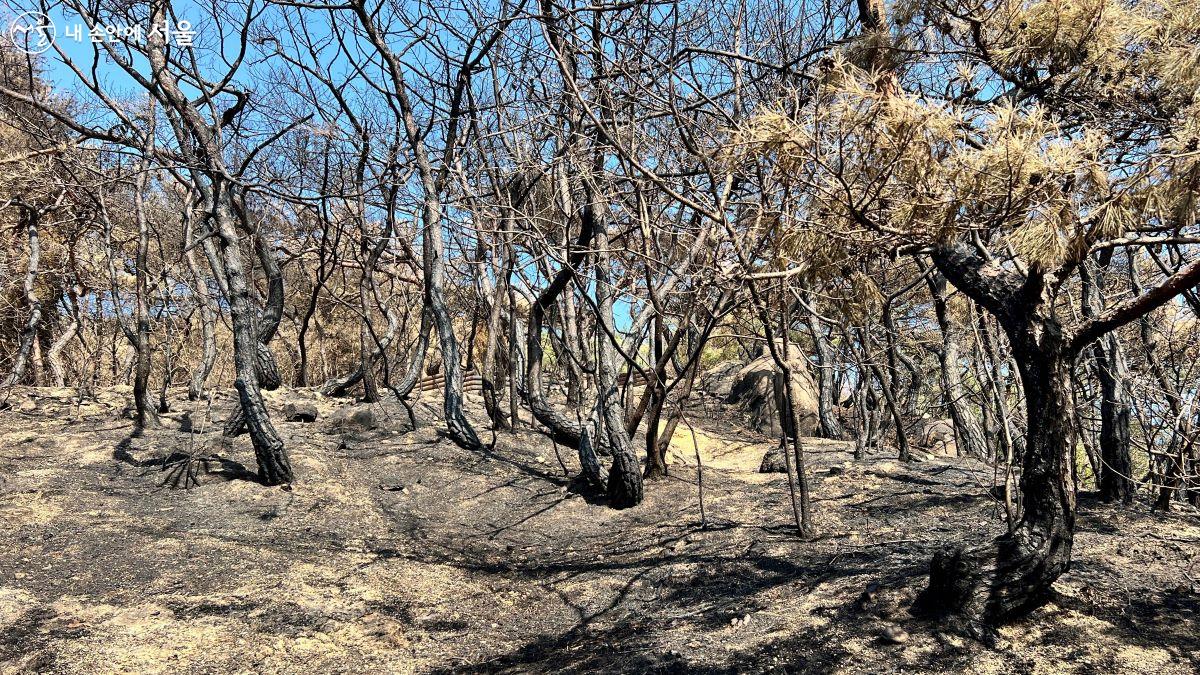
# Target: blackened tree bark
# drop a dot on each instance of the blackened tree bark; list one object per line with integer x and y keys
{"x": 562, "y": 429}
{"x": 625, "y": 475}
{"x": 29, "y": 331}
{"x": 1115, "y": 478}
{"x": 831, "y": 426}
{"x": 1013, "y": 573}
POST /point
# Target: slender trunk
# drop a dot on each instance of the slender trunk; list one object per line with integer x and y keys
{"x": 625, "y": 476}
{"x": 831, "y": 426}
{"x": 53, "y": 355}
{"x": 968, "y": 439}
{"x": 1116, "y": 464}
{"x": 208, "y": 329}
{"x": 1115, "y": 478}
{"x": 489, "y": 375}
{"x": 29, "y": 332}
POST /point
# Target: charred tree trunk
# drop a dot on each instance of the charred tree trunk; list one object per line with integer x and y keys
{"x": 1116, "y": 464}
{"x": 30, "y": 330}
{"x": 563, "y": 430}
{"x": 274, "y": 468}
{"x": 625, "y": 476}
{"x": 1012, "y": 574}
{"x": 490, "y": 372}
{"x": 831, "y": 426}
{"x": 1115, "y": 478}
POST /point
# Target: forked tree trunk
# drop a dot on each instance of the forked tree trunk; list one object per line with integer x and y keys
{"x": 830, "y": 425}
{"x": 273, "y": 465}
{"x": 968, "y": 439}
{"x": 625, "y": 476}
{"x": 1012, "y": 575}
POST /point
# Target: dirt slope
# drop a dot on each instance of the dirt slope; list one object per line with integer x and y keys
{"x": 400, "y": 552}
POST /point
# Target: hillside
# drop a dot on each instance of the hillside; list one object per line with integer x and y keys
{"x": 398, "y": 551}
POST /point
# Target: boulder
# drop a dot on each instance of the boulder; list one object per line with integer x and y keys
{"x": 719, "y": 379}
{"x": 354, "y": 418}
{"x": 300, "y": 412}
{"x": 755, "y": 390}
{"x": 937, "y": 436}
{"x": 773, "y": 462}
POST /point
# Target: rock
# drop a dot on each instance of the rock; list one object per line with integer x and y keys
{"x": 719, "y": 379}
{"x": 757, "y": 393}
{"x": 773, "y": 462}
{"x": 301, "y": 412}
{"x": 868, "y": 601}
{"x": 893, "y": 634}
{"x": 937, "y": 436}
{"x": 355, "y": 418}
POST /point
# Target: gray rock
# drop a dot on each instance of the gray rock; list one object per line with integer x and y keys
{"x": 355, "y": 418}
{"x": 758, "y": 392}
{"x": 300, "y": 412}
{"x": 773, "y": 462}
{"x": 893, "y": 634}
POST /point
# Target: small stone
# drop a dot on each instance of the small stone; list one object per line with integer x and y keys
{"x": 894, "y": 635}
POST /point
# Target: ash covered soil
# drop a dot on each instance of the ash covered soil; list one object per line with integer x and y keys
{"x": 398, "y": 551}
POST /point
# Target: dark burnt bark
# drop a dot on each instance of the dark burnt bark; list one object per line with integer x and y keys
{"x": 625, "y": 475}
{"x": 29, "y": 331}
{"x": 1114, "y": 478}
{"x": 562, "y": 429}
{"x": 273, "y": 465}
{"x": 1012, "y": 574}
{"x": 1116, "y": 464}
{"x": 831, "y": 426}
{"x": 490, "y": 373}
